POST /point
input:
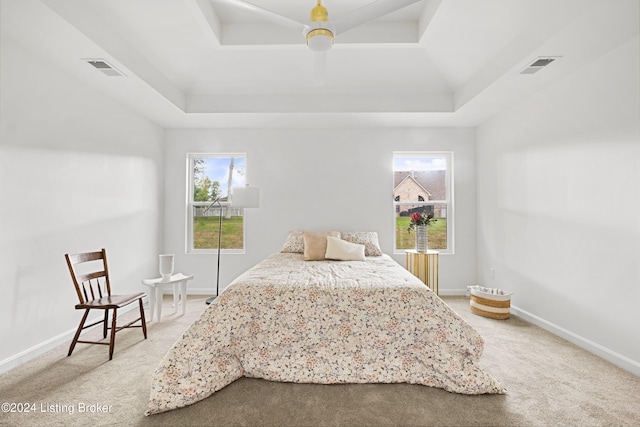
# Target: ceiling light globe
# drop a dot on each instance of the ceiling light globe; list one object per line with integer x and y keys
{"x": 320, "y": 40}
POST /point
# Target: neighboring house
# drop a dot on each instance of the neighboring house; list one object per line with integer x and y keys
{"x": 418, "y": 187}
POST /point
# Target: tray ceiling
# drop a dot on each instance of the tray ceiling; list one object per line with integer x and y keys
{"x": 203, "y": 63}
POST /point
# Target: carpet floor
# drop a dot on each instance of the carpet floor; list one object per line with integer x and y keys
{"x": 549, "y": 381}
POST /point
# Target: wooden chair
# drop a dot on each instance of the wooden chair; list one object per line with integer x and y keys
{"x": 94, "y": 292}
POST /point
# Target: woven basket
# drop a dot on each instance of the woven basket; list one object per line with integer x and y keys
{"x": 490, "y": 302}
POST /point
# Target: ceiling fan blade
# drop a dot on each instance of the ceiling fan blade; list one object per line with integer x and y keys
{"x": 368, "y": 13}
{"x": 267, "y": 14}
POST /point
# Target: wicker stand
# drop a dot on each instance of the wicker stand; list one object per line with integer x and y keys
{"x": 424, "y": 265}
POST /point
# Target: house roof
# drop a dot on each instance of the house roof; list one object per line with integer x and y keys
{"x": 411, "y": 178}
{"x": 432, "y": 181}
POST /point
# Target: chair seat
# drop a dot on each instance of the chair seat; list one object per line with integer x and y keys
{"x": 113, "y": 301}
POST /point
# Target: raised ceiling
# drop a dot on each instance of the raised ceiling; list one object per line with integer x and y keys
{"x": 206, "y": 63}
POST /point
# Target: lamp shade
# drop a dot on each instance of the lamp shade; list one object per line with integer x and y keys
{"x": 245, "y": 197}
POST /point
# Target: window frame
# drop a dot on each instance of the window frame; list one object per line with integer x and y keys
{"x": 190, "y": 204}
{"x": 448, "y": 156}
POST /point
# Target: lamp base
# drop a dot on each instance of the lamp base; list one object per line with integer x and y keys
{"x": 210, "y": 300}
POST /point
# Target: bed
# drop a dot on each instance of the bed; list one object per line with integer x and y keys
{"x": 295, "y": 319}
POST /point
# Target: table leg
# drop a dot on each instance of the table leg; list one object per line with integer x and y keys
{"x": 175, "y": 297}
{"x": 152, "y": 302}
{"x": 183, "y": 295}
{"x": 159, "y": 301}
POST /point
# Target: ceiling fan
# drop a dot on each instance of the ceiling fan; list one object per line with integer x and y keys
{"x": 320, "y": 32}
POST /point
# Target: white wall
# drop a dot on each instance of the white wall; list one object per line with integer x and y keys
{"x": 78, "y": 172}
{"x": 318, "y": 180}
{"x": 558, "y": 205}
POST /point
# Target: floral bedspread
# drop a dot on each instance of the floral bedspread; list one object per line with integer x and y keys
{"x": 325, "y": 322}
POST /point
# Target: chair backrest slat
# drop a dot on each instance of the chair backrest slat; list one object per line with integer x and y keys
{"x": 85, "y": 256}
{"x": 93, "y": 294}
{"x": 91, "y": 276}
{"x": 99, "y": 288}
{"x": 84, "y": 290}
{"x": 90, "y": 279}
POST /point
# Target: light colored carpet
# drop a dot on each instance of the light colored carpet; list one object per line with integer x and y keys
{"x": 550, "y": 382}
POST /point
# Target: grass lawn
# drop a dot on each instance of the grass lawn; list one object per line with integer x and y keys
{"x": 437, "y": 233}
{"x": 205, "y": 235}
{"x": 205, "y": 232}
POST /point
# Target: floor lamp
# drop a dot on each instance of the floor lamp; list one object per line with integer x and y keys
{"x": 241, "y": 198}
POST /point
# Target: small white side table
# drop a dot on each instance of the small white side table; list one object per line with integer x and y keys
{"x": 179, "y": 283}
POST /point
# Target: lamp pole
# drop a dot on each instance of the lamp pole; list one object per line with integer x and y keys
{"x": 210, "y": 300}
{"x": 243, "y": 197}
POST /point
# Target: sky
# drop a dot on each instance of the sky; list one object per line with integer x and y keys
{"x": 417, "y": 163}
{"x": 217, "y": 169}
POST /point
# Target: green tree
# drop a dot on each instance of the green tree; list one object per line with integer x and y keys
{"x": 214, "y": 192}
{"x": 199, "y": 166}
{"x": 205, "y": 190}
{"x": 200, "y": 184}
{"x": 202, "y": 190}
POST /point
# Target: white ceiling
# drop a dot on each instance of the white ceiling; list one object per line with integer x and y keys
{"x": 205, "y": 63}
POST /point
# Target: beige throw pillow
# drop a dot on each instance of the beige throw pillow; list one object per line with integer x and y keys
{"x": 315, "y": 244}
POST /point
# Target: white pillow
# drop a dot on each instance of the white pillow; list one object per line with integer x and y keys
{"x": 343, "y": 251}
{"x": 367, "y": 238}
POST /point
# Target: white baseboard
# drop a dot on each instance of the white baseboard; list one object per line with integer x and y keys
{"x": 201, "y": 291}
{"x": 595, "y": 348}
{"x": 452, "y": 292}
{"x": 35, "y": 351}
{"x": 192, "y": 291}
{"x": 592, "y": 347}
{"x": 64, "y": 338}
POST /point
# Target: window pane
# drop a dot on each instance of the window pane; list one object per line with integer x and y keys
{"x": 416, "y": 177}
{"x": 437, "y": 231}
{"x": 421, "y": 185}
{"x": 206, "y": 225}
{"x": 212, "y": 178}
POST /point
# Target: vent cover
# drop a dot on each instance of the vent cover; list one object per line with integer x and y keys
{"x": 538, "y": 64}
{"x": 104, "y": 67}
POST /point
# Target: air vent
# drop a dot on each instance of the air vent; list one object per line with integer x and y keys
{"x": 104, "y": 67}
{"x": 538, "y": 64}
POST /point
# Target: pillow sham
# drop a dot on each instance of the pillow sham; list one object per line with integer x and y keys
{"x": 367, "y": 238}
{"x": 294, "y": 243}
{"x": 342, "y": 250}
{"x": 315, "y": 244}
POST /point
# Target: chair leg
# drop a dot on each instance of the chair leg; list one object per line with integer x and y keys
{"x": 106, "y": 322}
{"x": 112, "y": 342}
{"x": 144, "y": 323}
{"x": 77, "y": 335}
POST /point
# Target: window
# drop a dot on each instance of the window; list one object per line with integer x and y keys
{"x": 422, "y": 182}
{"x": 211, "y": 177}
